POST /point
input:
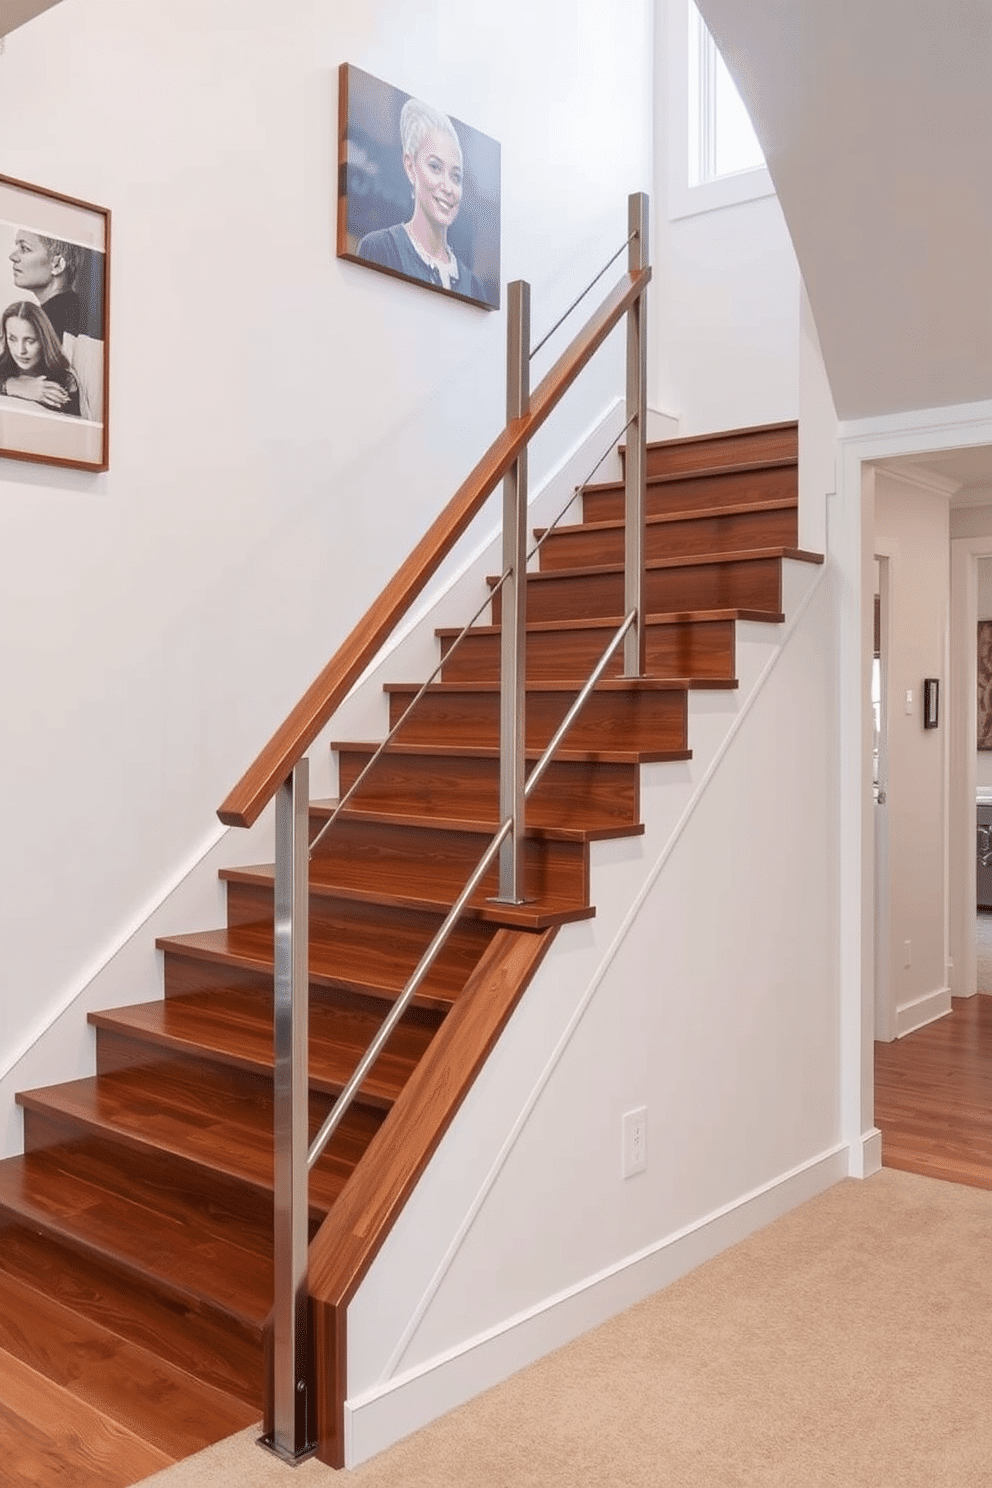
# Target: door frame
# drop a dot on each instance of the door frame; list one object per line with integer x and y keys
{"x": 963, "y": 699}
{"x": 851, "y": 547}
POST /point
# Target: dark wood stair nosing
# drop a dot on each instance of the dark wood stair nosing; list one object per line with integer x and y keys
{"x": 603, "y": 622}
{"x": 667, "y": 519}
{"x": 702, "y": 472}
{"x": 680, "y": 560}
{"x": 138, "y": 1143}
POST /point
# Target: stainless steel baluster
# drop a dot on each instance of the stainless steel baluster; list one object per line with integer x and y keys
{"x": 290, "y": 1118}
{"x": 634, "y": 646}
{"x": 514, "y": 602}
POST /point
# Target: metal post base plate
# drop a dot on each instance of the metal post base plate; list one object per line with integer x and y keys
{"x": 292, "y": 1459}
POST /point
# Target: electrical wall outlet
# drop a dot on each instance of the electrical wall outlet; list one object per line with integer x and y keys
{"x": 635, "y": 1141}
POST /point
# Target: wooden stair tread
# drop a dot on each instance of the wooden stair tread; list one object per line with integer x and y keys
{"x": 203, "y": 1343}
{"x": 250, "y": 947}
{"x": 605, "y": 684}
{"x": 486, "y": 827}
{"x": 593, "y": 622}
{"x": 132, "y": 1386}
{"x": 199, "y": 1123}
{"x": 490, "y": 752}
{"x": 663, "y": 519}
{"x": 681, "y": 560}
{"x": 40, "y": 1190}
{"x": 533, "y": 914}
{"x": 235, "y": 1025}
{"x": 78, "y": 1444}
{"x": 669, "y": 477}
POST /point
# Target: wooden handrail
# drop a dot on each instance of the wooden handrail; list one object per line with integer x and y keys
{"x": 325, "y": 694}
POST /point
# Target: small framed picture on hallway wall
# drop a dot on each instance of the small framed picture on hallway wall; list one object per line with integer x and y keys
{"x": 54, "y": 288}
{"x": 418, "y": 191}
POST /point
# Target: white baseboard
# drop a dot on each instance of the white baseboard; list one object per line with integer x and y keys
{"x": 389, "y": 1411}
{"x": 923, "y": 1010}
{"x": 866, "y": 1155}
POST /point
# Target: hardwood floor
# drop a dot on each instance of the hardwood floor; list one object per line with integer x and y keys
{"x": 933, "y": 1096}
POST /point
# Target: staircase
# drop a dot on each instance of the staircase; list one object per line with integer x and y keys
{"x": 136, "y": 1229}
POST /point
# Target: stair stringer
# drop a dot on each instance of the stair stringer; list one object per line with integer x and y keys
{"x": 521, "y": 1233}
{"x": 61, "y": 1046}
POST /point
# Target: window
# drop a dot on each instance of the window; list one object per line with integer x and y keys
{"x": 715, "y": 159}
{"x": 722, "y": 140}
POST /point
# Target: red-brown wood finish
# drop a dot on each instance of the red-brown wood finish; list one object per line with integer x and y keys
{"x": 136, "y": 1229}
{"x": 933, "y": 1096}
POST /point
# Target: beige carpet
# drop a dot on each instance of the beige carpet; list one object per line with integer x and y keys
{"x": 849, "y": 1344}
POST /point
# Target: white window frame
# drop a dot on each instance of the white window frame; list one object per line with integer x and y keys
{"x": 685, "y": 200}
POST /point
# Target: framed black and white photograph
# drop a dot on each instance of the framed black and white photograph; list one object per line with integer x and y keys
{"x": 54, "y": 288}
{"x": 418, "y": 191}
{"x": 931, "y": 702}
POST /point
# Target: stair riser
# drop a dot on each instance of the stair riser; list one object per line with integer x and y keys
{"x": 692, "y": 648}
{"x": 390, "y": 859}
{"x": 44, "y": 1131}
{"x": 219, "y": 1200}
{"x": 210, "y": 1346}
{"x": 591, "y": 547}
{"x": 747, "y": 584}
{"x": 700, "y": 493}
{"x": 118, "y": 1051}
{"x": 631, "y": 719}
{"x": 394, "y": 940}
{"x": 731, "y": 448}
{"x": 180, "y": 1120}
{"x": 571, "y": 793}
{"x": 184, "y": 974}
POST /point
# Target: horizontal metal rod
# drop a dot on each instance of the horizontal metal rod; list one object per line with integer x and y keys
{"x": 497, "y": 586}
{"x": 580, "y": 701}
{"x": 403, "y": 716}
{"x": 562, "y": 319}
{"x": 372, "y": 1053}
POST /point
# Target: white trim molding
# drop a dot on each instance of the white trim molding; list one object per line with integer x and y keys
{"x": 725, "y": 191}
{"x": 861, "y": 443}
{"x": 922, "y": 1010}
{"x": 382, "y": 1415}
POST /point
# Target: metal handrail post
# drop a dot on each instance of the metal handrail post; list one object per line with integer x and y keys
{"x": 290, "y": 1118}
{"x": 513, "y": 611}
{"x": 635, "y": 463}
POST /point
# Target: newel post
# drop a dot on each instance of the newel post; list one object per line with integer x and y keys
{"x": 635, "y": 461}
{"x": 287, "y": 1431}
{"x": 514, "y": 601}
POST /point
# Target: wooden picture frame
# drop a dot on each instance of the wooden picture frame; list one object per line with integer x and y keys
{"x": 54, "y": 363}
{"x": 931, "y": 702}
{"x": 388, "y": 205}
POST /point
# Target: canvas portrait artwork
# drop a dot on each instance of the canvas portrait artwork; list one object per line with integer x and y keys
{"x": 985, "y": 684}
{"x": 53, "y": 327}
{"x": 418, "y": 191}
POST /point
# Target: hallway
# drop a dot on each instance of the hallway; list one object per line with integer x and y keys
{"x": 933, "y": 1096}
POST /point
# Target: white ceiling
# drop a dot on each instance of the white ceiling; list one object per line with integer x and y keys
{"x": 876, "y": 121}
{"x": 14, "y": 13}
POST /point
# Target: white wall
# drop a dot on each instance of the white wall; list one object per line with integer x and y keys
{"x": 726, "y": 315}
{"x": 705, "y": 990}
{"x": 912, "y": 530}
{"x": 284, "y": 425}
